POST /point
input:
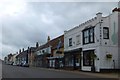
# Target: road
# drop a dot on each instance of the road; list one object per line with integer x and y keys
{"x": 9, "y": 71}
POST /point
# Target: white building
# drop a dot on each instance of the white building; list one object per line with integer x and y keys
{"x": 98, "y": 36}
{"x": 14, "y": 59}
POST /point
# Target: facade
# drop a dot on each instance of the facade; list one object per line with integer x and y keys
{"x": 31, "y": 55}
{"x": 41, "y": 54}
{"x": 26, "y": 56}
{"x": 56, "y": 60}
{"x": 14, "y": 60}
{"x": 22, "y": 57}
{"x": 50, "y": 54}
{"x": 9, "y": 59}
{"x": 93, "y": 45}
{"x": 5, "y": 59}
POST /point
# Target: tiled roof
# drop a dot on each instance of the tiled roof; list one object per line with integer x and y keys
{"x": 23, "y": 54}
{"x": 54, "y": 42}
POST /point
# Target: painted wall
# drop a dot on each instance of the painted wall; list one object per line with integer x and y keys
{"x": 101, "y": 46}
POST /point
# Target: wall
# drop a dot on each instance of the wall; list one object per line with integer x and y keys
{"x": 101, "y": 49}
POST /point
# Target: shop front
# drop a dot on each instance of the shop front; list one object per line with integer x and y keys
{"x": 72, "y": 59}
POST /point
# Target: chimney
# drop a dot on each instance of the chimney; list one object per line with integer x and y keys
{"x": 99, "y": 16}
{"x": 48, "y": 39}
{"x": 23, "y": 49}
{"x": 28, "y": 48}
{"x": 37, "y": 44}
{"x": 19, "y": 51}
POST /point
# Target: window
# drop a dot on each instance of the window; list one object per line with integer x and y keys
{"x": 87, "y": 60}
{"x": 69, "y": 60}
{"x": 88, "y": 36}
{"x": 77, "y": 39}
{"x": 91, "y": 35}
{"x": 105, "y": 33}
{"x": 70, "y": 42}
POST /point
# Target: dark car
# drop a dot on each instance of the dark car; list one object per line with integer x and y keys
{"x": 25, "y": 65}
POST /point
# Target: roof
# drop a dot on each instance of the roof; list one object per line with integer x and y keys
{"x": 54, "y": 42}
{"x": 32, "y": 49}
{"x": 23, "y": 54}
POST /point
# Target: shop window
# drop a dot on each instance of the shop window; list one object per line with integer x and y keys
{"x": 87, "y": 60}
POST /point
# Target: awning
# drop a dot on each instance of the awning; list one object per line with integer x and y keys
{"x": 73, "y": 51}
{"x": 55, "y": 57}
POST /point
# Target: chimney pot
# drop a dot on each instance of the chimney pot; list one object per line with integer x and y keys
{"x": 48, "y": 39}
{"x": 20, "y": 51}
{"x": 37, "y": 44}
{"x": 28, "y": 48}
{"x": 23, "y": 49}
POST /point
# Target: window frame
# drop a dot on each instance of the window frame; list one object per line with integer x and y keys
{"x": 90, "y": 60}
{"x": 106, "y": 33}
{"x": 70, "y": 42}
{"x": 78, "y": 39}
{"x": 87, "y": 36}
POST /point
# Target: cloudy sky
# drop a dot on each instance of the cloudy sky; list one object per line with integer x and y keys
{"x": 22, "y": 24}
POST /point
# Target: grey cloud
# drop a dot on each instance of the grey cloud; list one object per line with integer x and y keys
{"x": 43, "y": 19}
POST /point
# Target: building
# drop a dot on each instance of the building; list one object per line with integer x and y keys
{"x": 14, "y": 59}
{"x": 41, "y": 54}
{"x": 5, "y": 59}
{"x": 31, "y": 55}
{"x": 56, "y": 60}
{"x": 9, "y": 59}
{"x": 93, "y": 45}
{"x": 22, "y": 57}
{"x": 51, "y": 53}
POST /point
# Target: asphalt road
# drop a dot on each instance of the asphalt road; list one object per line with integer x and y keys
{"x": 9, "y": 71}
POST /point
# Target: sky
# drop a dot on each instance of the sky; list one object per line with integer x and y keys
{"x": 23, "y": 23}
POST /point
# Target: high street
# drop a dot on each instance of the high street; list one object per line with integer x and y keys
{"x": 10, "y": 71}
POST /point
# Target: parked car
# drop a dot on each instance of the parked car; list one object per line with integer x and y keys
{"x": 14, "y": 64}
{"x": 20, "y": 64}
{"x": 25, "y": 65}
